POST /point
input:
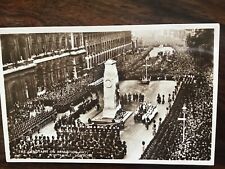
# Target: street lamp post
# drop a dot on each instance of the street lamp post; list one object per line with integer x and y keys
{"x": 184, "y": 109}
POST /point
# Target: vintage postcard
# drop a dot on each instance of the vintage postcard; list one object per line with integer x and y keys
{"x": 137, "y": 94}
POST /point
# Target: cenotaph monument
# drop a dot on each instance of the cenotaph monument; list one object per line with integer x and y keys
{"x": 111, "y": 90}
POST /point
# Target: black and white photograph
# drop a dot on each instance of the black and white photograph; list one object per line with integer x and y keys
{"x": 137, "y": 94}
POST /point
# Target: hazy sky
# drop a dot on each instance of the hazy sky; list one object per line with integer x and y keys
{"x": 167, "y": 36}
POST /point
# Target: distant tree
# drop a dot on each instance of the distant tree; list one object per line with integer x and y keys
{"x": 200, "y": 46}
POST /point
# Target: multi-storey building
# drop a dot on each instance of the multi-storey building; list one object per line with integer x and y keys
{"x": 101, "y": 46}
{"x": 36, "y": 62}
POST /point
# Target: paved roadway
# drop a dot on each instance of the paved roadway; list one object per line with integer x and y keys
{"x": 135, "y": 133}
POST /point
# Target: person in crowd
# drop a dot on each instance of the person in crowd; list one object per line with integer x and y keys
{"x": 163, "y": 99}
{"x": 158, "y": 98}
{"x": 173, "y": 96}
{"x": 154, "y": 130}
{"x": 129, "y": 97}
{"x": 147, "y": 122}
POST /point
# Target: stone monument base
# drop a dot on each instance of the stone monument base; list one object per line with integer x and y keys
{"x": 110, "y": 113}
{"x": 101, "y": 119}
{"x": 106, "y": 115}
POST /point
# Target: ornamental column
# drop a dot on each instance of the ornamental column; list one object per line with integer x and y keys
{"x": 72, "y": 40}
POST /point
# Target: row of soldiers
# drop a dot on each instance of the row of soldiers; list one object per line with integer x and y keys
{"x": 135, "y": 97}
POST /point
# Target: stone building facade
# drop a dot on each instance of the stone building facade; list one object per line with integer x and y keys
{"x": 101, "y": 46}
{"x": 36, "y": 62}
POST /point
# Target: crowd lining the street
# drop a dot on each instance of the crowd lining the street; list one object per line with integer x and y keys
{"x": 168, "y": 143}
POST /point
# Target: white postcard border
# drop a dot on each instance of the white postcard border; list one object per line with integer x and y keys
{"x": 60, "y": 29}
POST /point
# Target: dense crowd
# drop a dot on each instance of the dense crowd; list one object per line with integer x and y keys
{"x": 60, "y": 96}
{"x": 32, "y": 115}
{"x": 73, "y": 91}
{"x": 32, "y": 125}
{"x": 64, "y": 94}
{"x": 198, "y": 124}
{"x": 28, "y": 117}
{"x": 130, "y": 64}
{"x": 168, "y": 143}
{"x": 23, "y": 112}
{"x": 159, "y": 68}
{"x": 75, "y": 114}
{"x": 75, "y": 140}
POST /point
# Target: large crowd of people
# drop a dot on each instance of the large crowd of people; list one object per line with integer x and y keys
{"x": 75, "y": 113}
{"x": 59, "y": 97}
{"x": 31, "y": 125}
{"x": 90, "y": 141}
{"x": 23, "y": 112}
{"x": 198, "y": 123}
{"x": 28, "y": 117}
{"x": 75, "y": 140}
{"x": 159, "y": 68}
{"x": 62, "y": 95}
{"x": 168, "y": 143}
{"x": 133, "y": 64}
